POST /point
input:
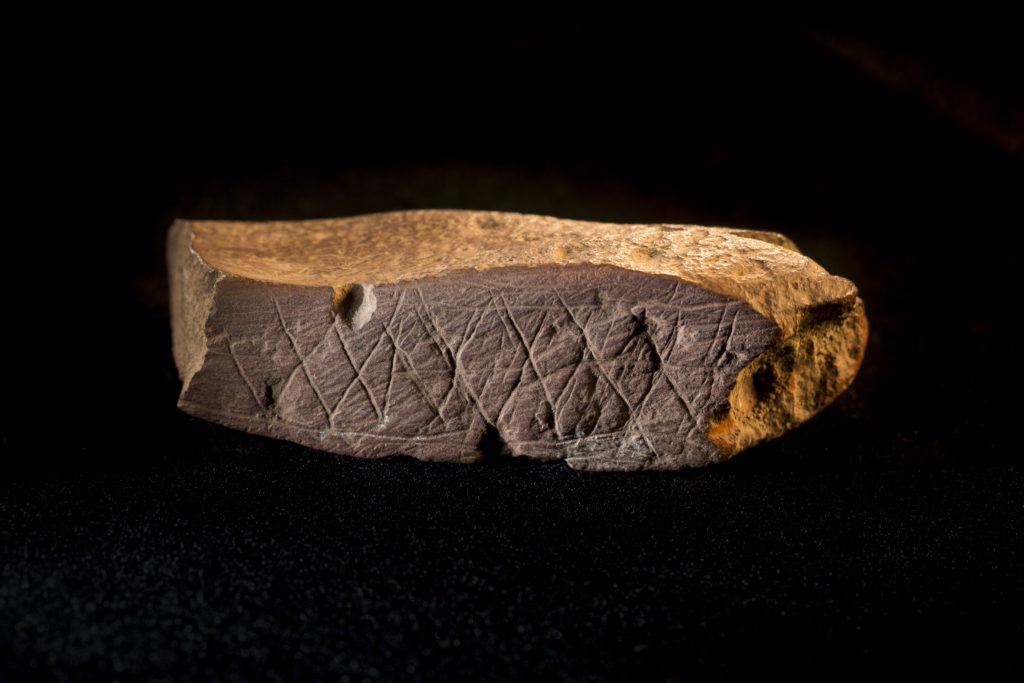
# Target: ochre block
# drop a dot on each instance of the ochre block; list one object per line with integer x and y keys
{"x": 450, "y": 335}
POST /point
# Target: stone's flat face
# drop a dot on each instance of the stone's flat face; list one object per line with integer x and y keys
{"x": 602, "y": 367}
{"x": 451, "y": 335}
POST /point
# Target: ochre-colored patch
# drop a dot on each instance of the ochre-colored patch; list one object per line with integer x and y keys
{"x": 793, "y": 380}
{"x": 338, "y": 298}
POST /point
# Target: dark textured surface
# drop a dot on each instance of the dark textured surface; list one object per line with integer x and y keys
{"x": 257, "y": 558}
{"x": 599, "y": 366}
{"x": 883, "y": 535}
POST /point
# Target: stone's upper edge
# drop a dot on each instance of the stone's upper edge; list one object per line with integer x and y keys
{"x": 763, "y": 269}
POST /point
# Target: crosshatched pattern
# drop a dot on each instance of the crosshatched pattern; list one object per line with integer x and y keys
{"x": 602, "y": 367}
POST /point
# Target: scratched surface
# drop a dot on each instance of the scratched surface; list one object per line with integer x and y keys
{"x": 602, "y": 367}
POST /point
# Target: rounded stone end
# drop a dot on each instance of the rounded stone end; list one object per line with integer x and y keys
{"x": 794, "y": 379}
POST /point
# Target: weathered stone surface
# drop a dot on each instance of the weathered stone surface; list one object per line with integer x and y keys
{"x": 446, "y": 335}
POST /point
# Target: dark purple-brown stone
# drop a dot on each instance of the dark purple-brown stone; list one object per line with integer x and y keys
{"x": 583, "y": 363}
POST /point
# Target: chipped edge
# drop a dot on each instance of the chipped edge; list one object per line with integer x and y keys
{"x": 192, "y": 286}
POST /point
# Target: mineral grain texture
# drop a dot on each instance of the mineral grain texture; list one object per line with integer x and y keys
{"x": 451, "y": 335}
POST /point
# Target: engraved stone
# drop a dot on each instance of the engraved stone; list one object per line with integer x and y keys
{"x": 445, "y": 335}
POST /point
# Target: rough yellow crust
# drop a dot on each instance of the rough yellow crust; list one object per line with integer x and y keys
{"x": 775, "y": 280}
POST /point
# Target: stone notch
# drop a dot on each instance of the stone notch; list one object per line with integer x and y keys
{"x": 451, "y": 335}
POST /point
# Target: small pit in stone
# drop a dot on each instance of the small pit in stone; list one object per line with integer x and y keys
{"x": 355, "y": 304}
{"x": 764, "y": 382}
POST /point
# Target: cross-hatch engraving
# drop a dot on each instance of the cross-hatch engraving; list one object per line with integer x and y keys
{"x": 632, "y": 369}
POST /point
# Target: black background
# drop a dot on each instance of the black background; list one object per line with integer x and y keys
{"x": 136, "y": 542}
